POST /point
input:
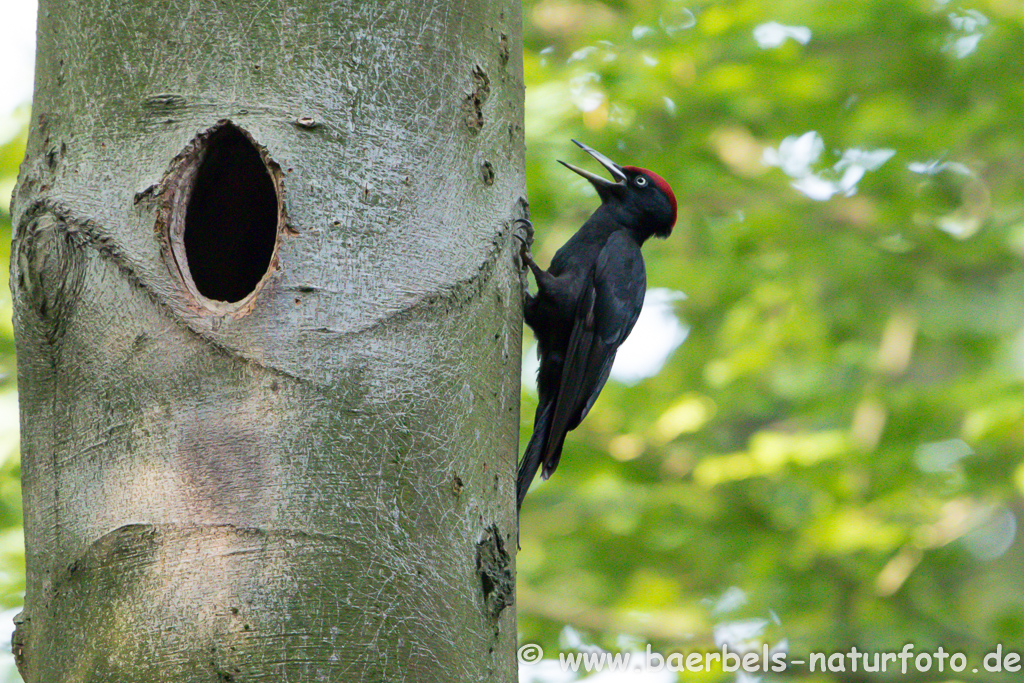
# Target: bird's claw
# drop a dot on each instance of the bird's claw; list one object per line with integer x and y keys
{"x": 527, "y": 229}
{"x": 526, "y": 261}
{"x": 525, "y": 255}
{"x": 524, "y": 251}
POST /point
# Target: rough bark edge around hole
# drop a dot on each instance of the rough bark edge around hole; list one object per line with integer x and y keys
{"x": 175, "y": 191}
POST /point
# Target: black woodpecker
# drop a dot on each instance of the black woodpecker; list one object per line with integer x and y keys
{"x": 587, "y": 302}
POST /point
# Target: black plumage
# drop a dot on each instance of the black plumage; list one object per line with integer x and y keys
{"x": 587, "y": 302}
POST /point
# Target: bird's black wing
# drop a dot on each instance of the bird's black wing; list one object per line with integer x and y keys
{"x": 620, "y": 282}
{"x": 606, "y": 313}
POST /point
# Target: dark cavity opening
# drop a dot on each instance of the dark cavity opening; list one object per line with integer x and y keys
{"x": 231, "y": 221}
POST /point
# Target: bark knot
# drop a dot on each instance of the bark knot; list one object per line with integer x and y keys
{"x": 50, "y": 268}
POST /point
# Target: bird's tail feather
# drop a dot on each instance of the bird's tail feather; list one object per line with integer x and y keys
{"x": 534, "y": 453}
{"x": 554, "y": 454}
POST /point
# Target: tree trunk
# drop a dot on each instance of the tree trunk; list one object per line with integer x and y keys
{"x": 268, "y": 321}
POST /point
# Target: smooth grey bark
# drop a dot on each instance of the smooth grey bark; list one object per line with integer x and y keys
{"x": 314, "y": 482}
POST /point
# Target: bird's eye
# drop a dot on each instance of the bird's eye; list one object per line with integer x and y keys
{"x": 641, "y": 181}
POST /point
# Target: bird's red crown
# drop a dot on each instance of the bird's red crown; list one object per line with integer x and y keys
{"x": 662, "y": 185}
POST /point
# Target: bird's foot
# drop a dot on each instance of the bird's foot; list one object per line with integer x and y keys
{"x": 527, "y": 227}
{"x": 525, "y": 256}
{"x": 524, "y": 233}
{"x": 525, "y": 261}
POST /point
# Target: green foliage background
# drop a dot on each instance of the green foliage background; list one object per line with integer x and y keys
{"x": 833, "y": 454}
{"x": 838, "y": 440}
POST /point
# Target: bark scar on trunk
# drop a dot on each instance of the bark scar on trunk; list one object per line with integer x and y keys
{"x": 22, "y": 626}
{"x": 493, "y": 566}
{"x": 473, "y": 104}
{"x": 459, "y": 293}
{"x": 49, "y": 253}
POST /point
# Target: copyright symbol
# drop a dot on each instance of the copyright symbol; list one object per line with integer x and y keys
{"x": 530, "y": 653}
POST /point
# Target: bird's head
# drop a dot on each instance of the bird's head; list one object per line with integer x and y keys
{"x": 642, "y": 195}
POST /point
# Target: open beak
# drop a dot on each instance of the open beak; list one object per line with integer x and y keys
{"x": 599, "y": 183}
